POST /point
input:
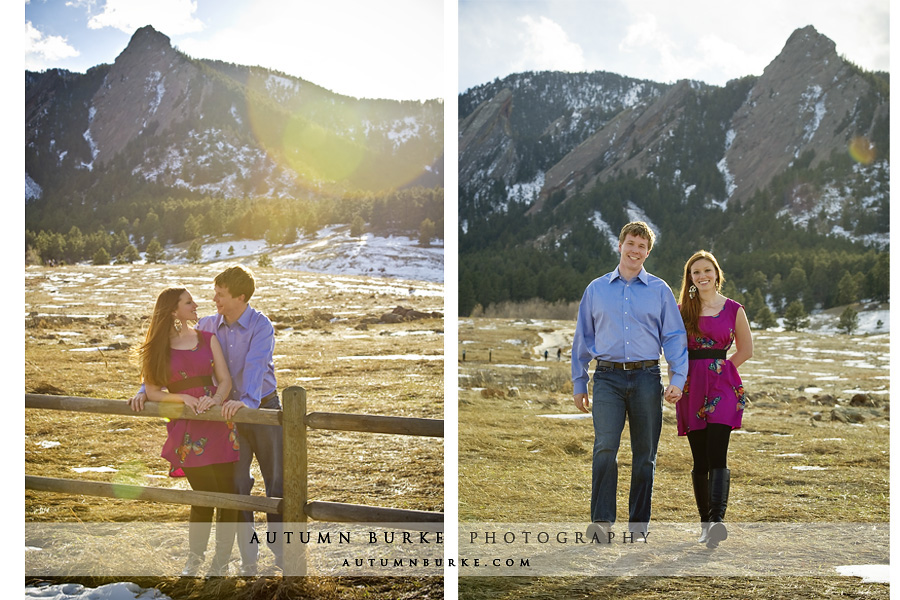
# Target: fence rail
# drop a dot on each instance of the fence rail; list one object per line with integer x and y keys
{"x": 295, "y": 507}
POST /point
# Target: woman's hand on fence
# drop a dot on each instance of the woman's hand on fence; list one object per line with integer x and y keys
{"x": 204, "y": 403}
{"x": 230, "y": 408}
{"x": 137, "y": 402}
{"x": 191, "y": 402}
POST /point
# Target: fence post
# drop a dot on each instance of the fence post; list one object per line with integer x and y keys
{"x": 295, "y": 478}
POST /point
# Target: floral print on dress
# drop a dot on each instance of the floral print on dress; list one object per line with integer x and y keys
{"x": 741, "y": 397}
{"x": 708, "y": 407}
{"x": 232, "y": 435}
{"x": 187, "y": 446}
{"x": 703, "y": 342}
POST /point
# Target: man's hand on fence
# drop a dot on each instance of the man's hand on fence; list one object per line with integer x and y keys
{"x": 230, "y": 408}
{"x": 137, "y": 403}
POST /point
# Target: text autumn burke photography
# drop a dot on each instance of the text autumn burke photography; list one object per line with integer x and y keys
{"x": 349, "y": 537}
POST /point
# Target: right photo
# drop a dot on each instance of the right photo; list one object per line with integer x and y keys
{"x": 674, "y": 299}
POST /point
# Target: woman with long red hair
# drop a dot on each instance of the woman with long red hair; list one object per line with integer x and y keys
{"x": 713, "y": 400}
{"x": 182, "y": 364}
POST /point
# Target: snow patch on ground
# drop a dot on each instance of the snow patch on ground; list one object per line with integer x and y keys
{"x": 122, "y": 590}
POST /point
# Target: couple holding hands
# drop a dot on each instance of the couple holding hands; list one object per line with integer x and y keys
{"x": 624, "y": 319}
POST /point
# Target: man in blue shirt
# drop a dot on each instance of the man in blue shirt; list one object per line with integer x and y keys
{"x": 247, "y": 339}
{"x": 625, "y": 318}
{"x": 248, "y": 343}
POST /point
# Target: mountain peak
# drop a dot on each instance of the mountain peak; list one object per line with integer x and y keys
{"x": 148, "y": 38}
{"x": 809, "y": 42}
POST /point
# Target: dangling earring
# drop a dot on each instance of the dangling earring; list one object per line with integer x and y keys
{"x": 178, "y": 325}
{"x": 692, "y": 291}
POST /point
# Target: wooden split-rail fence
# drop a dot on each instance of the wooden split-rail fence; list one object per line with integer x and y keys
{"x": 295, "y": 507}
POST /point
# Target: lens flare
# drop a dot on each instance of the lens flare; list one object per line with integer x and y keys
{"x": 862, "y": 150}
{"x": 130, "y": 474}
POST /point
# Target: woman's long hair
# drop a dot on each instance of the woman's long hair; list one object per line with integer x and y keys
{"x": 155, "y": 352}
{"x": 690, "y": 307}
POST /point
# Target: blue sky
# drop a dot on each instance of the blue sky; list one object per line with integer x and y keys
{"x": 361, "y": 48}
{"x": 661, "y": 40}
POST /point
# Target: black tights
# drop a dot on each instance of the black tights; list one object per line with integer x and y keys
{"x": 212, "y": 478}
{"x": 709, "y": 447}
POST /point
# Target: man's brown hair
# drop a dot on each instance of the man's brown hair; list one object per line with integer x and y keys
{"x": 639, "y": 229}
{"x": 237, "y": 280}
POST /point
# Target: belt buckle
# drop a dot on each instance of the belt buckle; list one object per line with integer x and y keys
{"x": 625, "y": 366}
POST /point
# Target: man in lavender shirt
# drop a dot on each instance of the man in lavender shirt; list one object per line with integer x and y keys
{"x": 625, "y": 318}
{"x": 247, "y": 339}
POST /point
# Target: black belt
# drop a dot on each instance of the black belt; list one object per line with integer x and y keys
{"x": 706, "y": 353}
{"x": 191, "y": 382}
{"x": 628, "y": 366}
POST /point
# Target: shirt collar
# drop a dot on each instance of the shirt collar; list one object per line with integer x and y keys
{"x": 243, "y": 320}
{"x": 643, "y": 276}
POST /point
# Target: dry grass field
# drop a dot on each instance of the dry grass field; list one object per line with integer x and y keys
{"x": 795, "y": 459}
{"x": 82, "y": 323}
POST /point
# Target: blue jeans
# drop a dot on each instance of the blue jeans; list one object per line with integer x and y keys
{"x": 639, "y": 395}
{"x": 264, "y": 441}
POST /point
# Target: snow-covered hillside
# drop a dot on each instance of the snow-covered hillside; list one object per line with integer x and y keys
{"x": 333, "y": 251}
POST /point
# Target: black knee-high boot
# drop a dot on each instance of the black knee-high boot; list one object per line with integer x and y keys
{"x": 701, "y": 496}
{"x": 719, "y": 484}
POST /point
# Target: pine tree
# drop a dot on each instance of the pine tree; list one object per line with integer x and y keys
{"x": 128, "y": 255}
{"x": 849, "y": 320}
{"x": 754, "y": 303}
{"x": 154, "y": 252}
{"x": 796, "y": 285}
{"x": 847, "y": 290}
{"x": 357, "y": 227}
{"x": 195, "y": 252}
{"x": 764, "y": 318}
{"x": 795, "y": 316}
{"x": 265, "y": 261}
{"x": 426, "y": 232}
{"x": 101, "y": 257}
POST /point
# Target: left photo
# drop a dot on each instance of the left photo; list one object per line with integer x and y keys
{"x": 234, "y": 299}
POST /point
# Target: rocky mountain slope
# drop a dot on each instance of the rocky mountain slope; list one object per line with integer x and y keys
{"x": 784, "y": 176}
{"x": 719, "y": 145}
{"x": 159, "y": 122}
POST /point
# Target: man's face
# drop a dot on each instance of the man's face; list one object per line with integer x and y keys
{"x": 227, "y": 305}
{"x": 634, "y": 251}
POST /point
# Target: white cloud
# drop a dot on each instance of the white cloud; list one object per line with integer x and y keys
{"x": 663, "y": 40}
{"x": 41, "y": 49}
{"x": 546, "y": 46}
{"x": 726, "y": 56}
{"x": 384, "y": 48}
{"x": 641, "y": 34}
{"x": 172, "y": 17}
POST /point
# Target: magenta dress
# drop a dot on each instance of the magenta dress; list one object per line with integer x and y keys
{"x": 197, "y": 443}
{"x": 713, "y": 392}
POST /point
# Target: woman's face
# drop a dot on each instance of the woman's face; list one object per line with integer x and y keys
{"x": 187, "y": 308}
{"x": 703, "y": 274}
